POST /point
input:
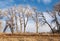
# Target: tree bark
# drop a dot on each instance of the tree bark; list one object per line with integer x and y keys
{"x": 36, "y": 23}
{"x": 47, "y": 23}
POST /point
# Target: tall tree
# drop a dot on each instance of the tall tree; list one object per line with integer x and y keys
{"x": 47, "y": 22}
{"x": 9, "y": 22}
{"x": 36, "y": 20}
{"x": 15, "y": 16}
{"x": 56, "y": 9}
{"x": 20, "y": 16}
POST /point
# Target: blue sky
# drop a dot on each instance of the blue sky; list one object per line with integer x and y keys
{"x": 40, "y": 4}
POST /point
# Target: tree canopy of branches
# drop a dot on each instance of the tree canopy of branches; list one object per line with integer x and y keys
{"x": 24, "y": 13}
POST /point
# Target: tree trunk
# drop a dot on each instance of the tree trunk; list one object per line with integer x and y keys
{"x": 0, "y": 26}
{"x": 16, "y": 24}
{"x": 20, "y": 24}
{"x": 36, "y": 23}
{"x": 48, "y": 24}
{"x": 25, "y": 24}
{"x": 58, "y": 25}
{"x": 12, "y": 25}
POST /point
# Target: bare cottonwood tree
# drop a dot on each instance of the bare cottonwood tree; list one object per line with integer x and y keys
{"x": 21, "y": 16}
{"x": 45, "y": 21}
{"x": 15, "y": 16}
{"x": 55, "y": 13}
{"x": 9, "y": 22}
{"x": 25, "y": 16}
{"x": 36, "y": 20}
{"x": 16, "y": 23}
{"x": 24, "y": 13}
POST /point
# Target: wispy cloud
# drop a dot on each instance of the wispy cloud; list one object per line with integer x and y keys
{"x": 47, "y": 1}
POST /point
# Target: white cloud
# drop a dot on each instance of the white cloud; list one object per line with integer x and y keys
{"x": 47, "y": 1}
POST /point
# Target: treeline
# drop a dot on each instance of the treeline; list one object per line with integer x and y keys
{"x": 24, "y": 13}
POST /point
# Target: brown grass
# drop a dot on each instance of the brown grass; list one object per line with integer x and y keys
{"x": 29, "y": 37}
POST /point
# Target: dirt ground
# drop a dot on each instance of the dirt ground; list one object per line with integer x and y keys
{"x": 29, "y": 37}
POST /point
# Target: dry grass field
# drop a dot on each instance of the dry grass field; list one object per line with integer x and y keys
{"x": 29, "y": 37}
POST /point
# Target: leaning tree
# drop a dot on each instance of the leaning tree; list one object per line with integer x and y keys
{"x": 56, "y": 13}
{"x": 9, "y": 21}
